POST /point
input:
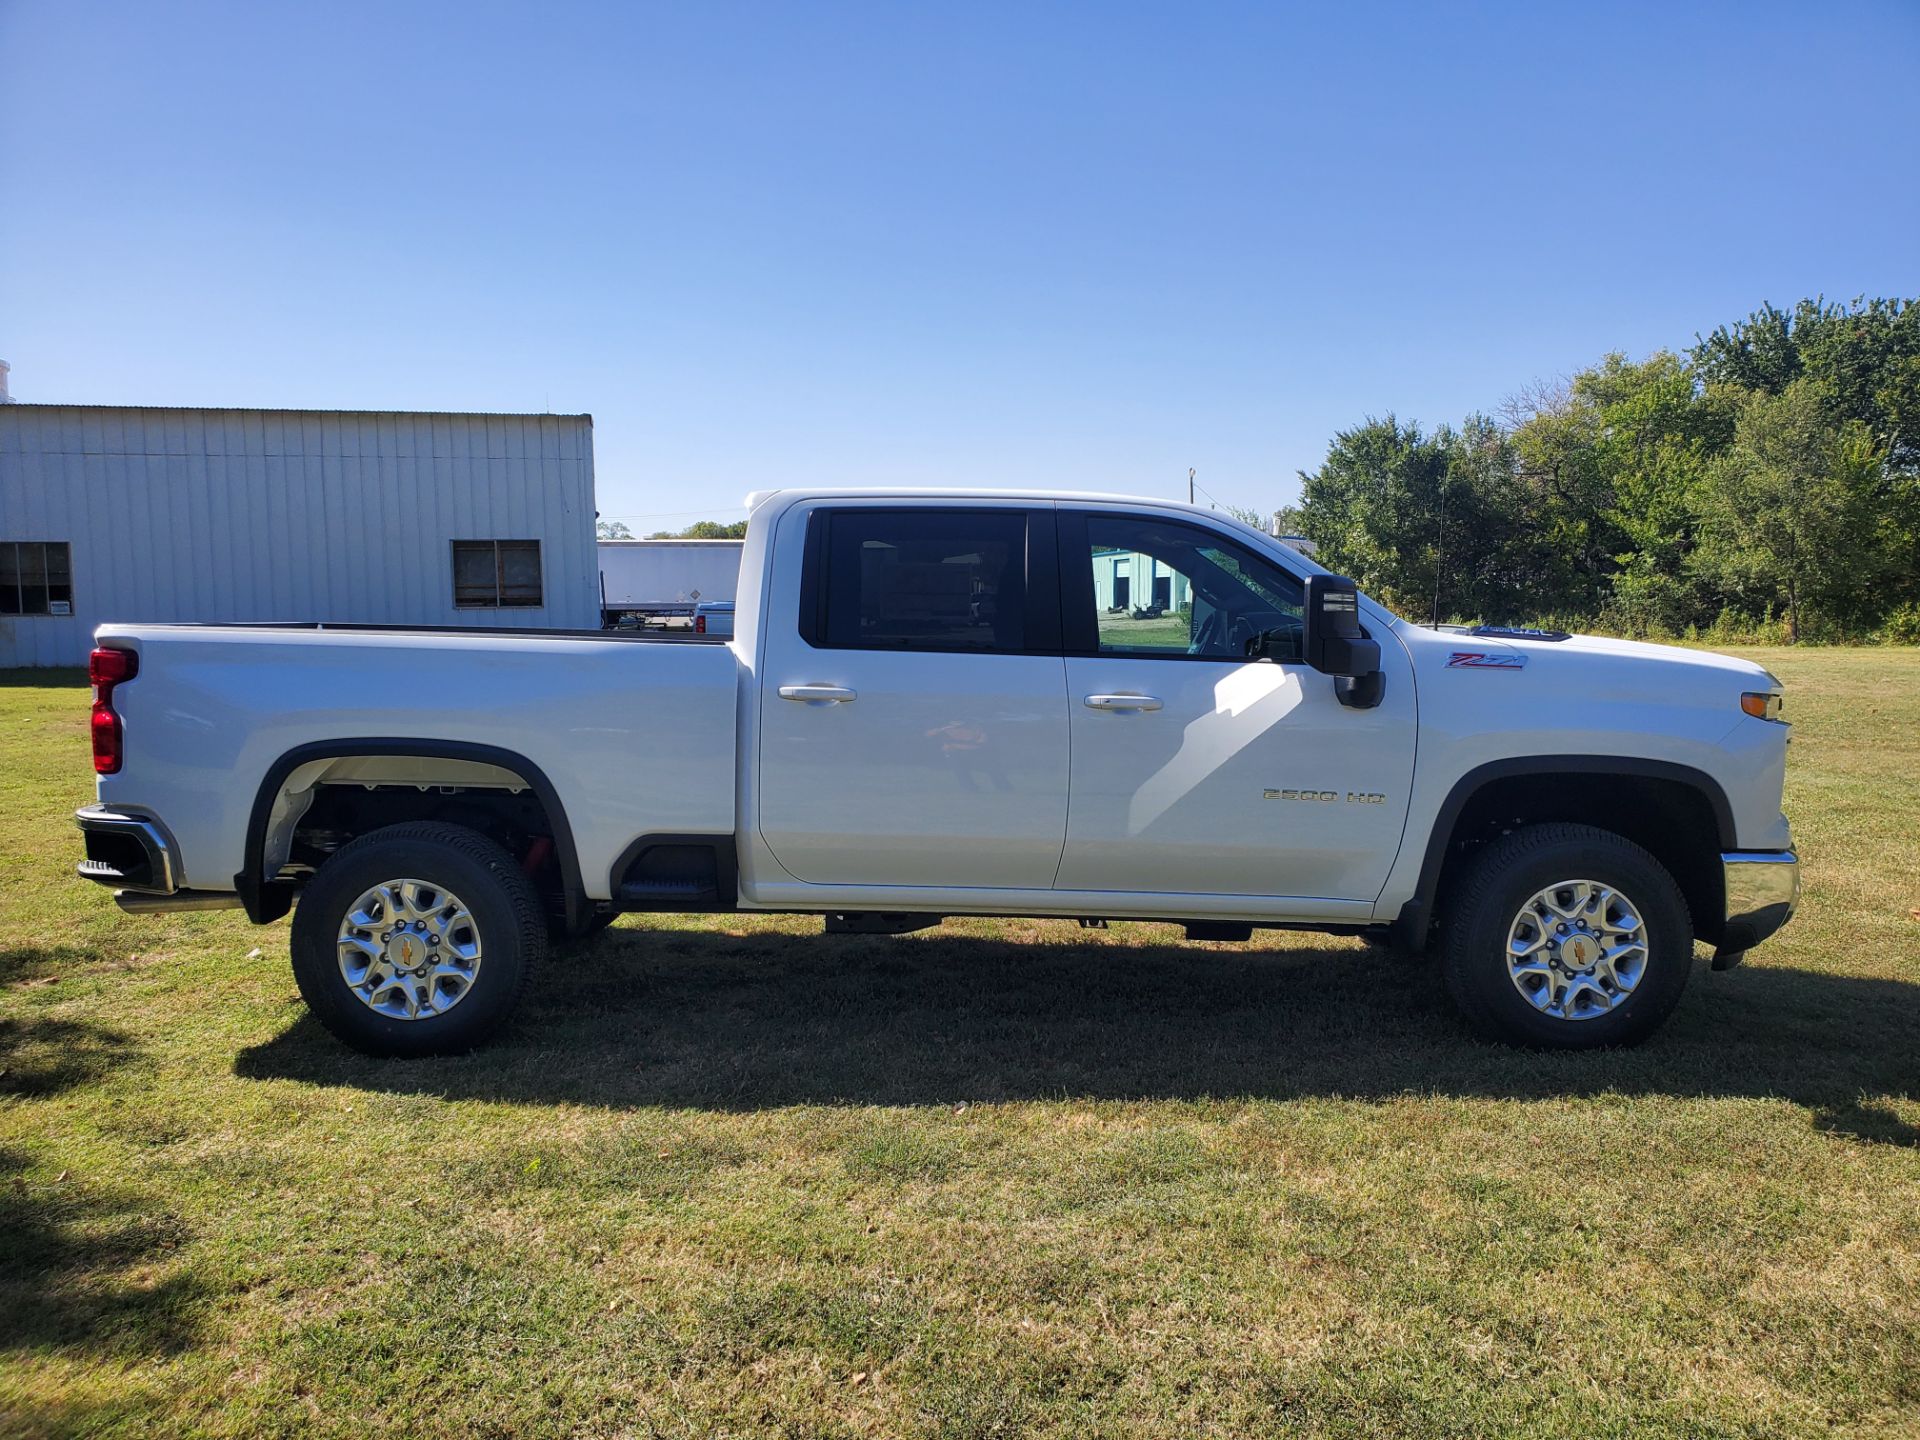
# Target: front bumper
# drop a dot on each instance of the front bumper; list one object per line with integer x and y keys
{"x": 136, "y": 858}
{"x": 1763, "y": 890}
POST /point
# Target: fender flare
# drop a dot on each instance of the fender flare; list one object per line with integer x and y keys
{"x": 267, "y": 900}
{"x": 1411, "y": 924}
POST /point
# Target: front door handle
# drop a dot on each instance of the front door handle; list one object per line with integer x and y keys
{"x": 818, "y": 694}
{"x": 1123, "y": 702}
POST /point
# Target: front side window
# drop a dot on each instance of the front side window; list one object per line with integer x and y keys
{"x": 36, "y": 577}
{"x": 922, "y": 580}
{"x": 494, "y": 574}
{"x": 1163, "y": 587}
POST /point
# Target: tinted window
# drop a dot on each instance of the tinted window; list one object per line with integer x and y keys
{"x": 1165, "y": 588}
{"x": 925, "y": 580}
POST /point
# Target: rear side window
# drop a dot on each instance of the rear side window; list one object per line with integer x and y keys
{"x": 922, "y": 580}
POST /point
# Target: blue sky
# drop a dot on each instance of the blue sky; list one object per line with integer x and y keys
{"x": 1083, "y": 246}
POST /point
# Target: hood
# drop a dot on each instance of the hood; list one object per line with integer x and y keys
{"x": 1665, "y": 672}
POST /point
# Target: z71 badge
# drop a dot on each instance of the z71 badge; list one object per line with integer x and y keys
{"x": 1487, "y": 660}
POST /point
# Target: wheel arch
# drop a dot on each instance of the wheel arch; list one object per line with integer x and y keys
{"x": 1668, "y": 808}
{"x": 267, "y": 899}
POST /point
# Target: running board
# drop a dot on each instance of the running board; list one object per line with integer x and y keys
{"x": 139, "y": 902}
{"x": 878, "y": 922}
{"x": 668, "y": 895}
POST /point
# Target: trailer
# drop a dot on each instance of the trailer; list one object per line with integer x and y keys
{"x": 658, "y": 582}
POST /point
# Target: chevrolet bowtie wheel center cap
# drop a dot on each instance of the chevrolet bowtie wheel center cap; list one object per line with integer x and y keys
{"x": 409, "y": 949}
{"x": 1576, "y": 949}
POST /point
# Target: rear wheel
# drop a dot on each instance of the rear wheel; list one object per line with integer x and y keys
{"x": 416, "y": 939}
{"x": 1567, "y": 937}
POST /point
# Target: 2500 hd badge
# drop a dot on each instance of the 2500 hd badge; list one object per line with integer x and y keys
{"x": 1354, "y": 797}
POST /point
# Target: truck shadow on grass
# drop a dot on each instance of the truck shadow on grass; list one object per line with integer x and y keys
{"x": 701, "y": 1019}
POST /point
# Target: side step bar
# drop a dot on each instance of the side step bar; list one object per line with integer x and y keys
{"x": 878, "y": 922}
{"x": 669, "y": 894}
{"x": 136, "y": 902}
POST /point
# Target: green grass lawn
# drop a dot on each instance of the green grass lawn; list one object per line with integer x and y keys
{"x": 731, "y": 1177}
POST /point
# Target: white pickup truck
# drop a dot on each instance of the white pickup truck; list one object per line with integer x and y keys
{"x": 952, "y": 703}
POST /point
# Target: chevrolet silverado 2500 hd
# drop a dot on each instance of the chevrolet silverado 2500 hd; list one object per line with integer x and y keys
{"x": 952, "y": 703}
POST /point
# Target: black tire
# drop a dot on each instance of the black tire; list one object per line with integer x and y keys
{"x": 1498, "y": 883}
{"x": 502, "y": 901}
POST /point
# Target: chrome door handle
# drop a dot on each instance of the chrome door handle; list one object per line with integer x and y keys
{"x": 818, "y": 694}
{"x": 1123, "y": 702}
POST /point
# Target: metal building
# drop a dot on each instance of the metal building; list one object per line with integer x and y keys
{"x": 135, "y": 513}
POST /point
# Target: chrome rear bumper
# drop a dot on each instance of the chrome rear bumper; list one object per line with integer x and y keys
{"x": 1762, "y": 890}
{"x": 135, "y": 857}
{"x": 127, "y": 852}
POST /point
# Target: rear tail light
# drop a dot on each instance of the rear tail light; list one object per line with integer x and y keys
{"x": 699, "y": 624}
{"x": 108, "y": 668}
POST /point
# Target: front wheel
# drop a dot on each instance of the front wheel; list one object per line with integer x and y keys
{"x": 1566, "y": 937}
{"x": 417, "y": 939}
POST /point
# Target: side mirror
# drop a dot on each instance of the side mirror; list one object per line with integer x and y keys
{"x": 1337, "y": 646}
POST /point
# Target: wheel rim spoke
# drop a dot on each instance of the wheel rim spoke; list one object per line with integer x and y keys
{"x": 409, "y": 949}
{"x": 1576, "y": 949}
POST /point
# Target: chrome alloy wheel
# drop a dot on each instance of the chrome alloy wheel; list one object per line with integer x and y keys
{"x": 409, "y": 949}
{"x": 1577, "y": 949}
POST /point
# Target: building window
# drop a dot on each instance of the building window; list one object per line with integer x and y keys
{"x": 489, "y": 574}
{"x": 36, "y": 577}
{"x": 925, "y": 580}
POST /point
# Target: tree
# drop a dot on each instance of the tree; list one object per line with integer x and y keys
{"x": 1248, "y": 517}
{"x": 704, "y": 530}
{"x": 1772, "y": 469}
{"x": 1376, "y": 509}
{"x": 1656, "y": 429}
{"x": 1864, "y": 353}
{"x": 611, "y": 530}
{"x": 1288, "y": 519}
{"x": 1791, "y": 516}
{"x": 1564, "y": 490}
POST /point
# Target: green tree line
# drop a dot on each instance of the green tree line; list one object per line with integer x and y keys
{"x": 1766, "y": 480}
{"x": 699, "y": 530}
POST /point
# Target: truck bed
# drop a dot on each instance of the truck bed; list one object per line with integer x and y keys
{"x": 633, "y": 734}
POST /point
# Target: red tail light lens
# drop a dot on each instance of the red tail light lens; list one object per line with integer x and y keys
{"x": 699, "y": 624}
{"x": 108, "y": 668}
{"x": 106, "y": 739}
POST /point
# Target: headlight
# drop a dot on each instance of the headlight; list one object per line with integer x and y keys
{"x": 1762, "y": 705}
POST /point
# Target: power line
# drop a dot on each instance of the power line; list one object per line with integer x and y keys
{"x": 1218, "y": 503}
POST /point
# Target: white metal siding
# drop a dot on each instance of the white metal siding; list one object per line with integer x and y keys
{"x": 290, "y": 515}
{"x": 639, "y": 574}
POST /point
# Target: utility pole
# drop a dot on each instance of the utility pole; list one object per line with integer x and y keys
{"x": 1190, "y": 484}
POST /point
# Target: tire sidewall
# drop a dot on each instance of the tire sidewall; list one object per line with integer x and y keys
{"x": 357, "y": 869}
{"x": 1479, "y": 960}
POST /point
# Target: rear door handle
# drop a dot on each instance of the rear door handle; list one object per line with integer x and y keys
{"x": 1123, "y": 702}
{"x": 818, "y": 694}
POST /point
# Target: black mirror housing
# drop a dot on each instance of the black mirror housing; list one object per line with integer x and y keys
{"x": 1337, "y": 645}
{"x": 1335, "y": 642}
